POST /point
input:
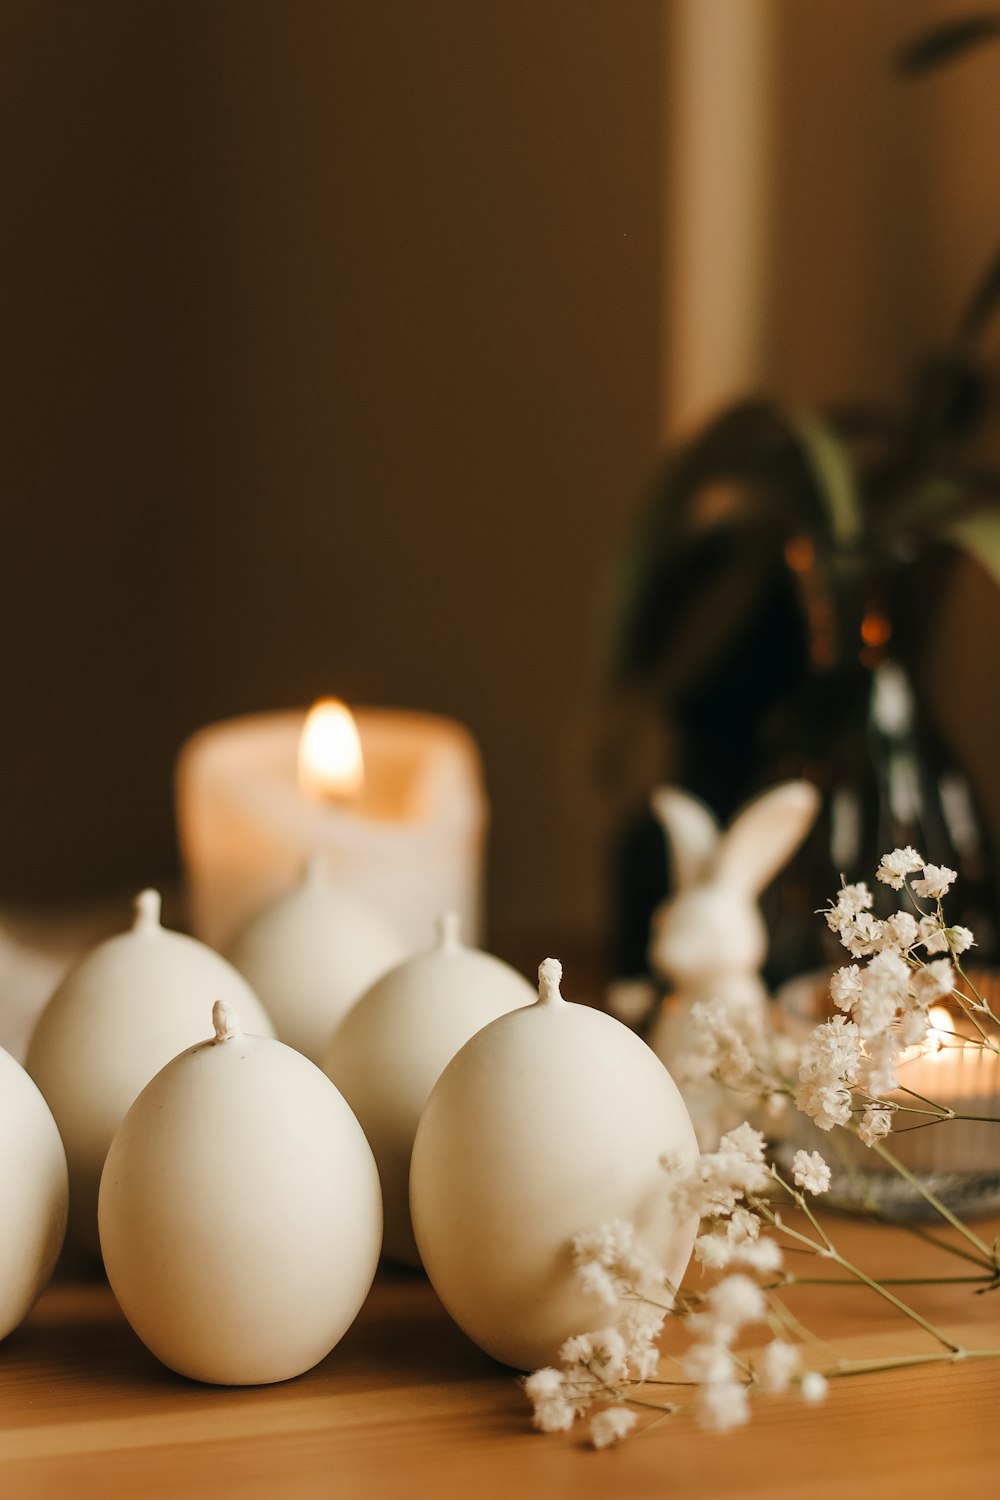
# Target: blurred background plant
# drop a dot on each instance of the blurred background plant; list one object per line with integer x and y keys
{"x": 776, "y": 601}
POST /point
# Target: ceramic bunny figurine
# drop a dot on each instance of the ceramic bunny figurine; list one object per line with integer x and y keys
{"x": 708, "y": 940}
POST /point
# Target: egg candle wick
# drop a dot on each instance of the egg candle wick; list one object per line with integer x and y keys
{"x": 147, "y": 911}
{"x": 549, "y": 976}
{"x": 449, "y": 928}
{"x": 226, "y": 1022}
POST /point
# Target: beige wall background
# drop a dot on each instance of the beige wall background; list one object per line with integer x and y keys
{"x": 337, "y": 351}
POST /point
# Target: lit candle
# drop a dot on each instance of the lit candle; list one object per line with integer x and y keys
{"x": 393, "y": 801}
{"x": 953, "y": 1070}
{"x": 331, "y": 761}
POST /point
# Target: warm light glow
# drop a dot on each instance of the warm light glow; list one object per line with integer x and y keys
{"x": 942, "y": 1028}
{"x": 800, "y": 554}
{"x": 875, "y": 628}
{"x": 331, "y": 766}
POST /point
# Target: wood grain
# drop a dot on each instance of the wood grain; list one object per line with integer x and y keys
{"x": 406, "y": 1406}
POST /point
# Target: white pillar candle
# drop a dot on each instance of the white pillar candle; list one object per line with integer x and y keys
{"x": 409, "y": 839}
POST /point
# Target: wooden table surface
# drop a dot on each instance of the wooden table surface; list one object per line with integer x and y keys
{"x": 406, "y": 1406}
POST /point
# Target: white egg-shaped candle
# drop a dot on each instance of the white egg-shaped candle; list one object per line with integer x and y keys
{"x": 392, "y": 1046}
{"x": 123, "y": 1012}
{"x": 549, "y": 1122}
{"x": 33, "y": 1193}
{"x": 240, "y": 1212}
{"x": 310, "y": 954}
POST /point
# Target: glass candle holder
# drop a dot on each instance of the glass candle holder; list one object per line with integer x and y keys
{"x": 957, "y": 1160}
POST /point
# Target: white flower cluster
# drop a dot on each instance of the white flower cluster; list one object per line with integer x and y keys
{"x": 863, "y": 934}
{"x": 714, "y": 1187}
{"x": 886, "y": 1001}
{"x": 612, "y": 1264}
{"x": 723, "y": 1398}
{"x": 599, "y": 1367}
{"x": 732, "y": 1045}
{"x": 810, "y": 1172}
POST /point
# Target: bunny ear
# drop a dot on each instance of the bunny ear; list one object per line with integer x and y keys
{"x": 692, "y": 833}
{"x": 765, "y": 834}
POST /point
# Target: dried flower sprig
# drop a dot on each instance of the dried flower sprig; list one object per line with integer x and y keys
{"x": 843, "y": 1077}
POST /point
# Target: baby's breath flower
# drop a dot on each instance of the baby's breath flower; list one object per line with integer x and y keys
{"x": 737, "y": 1242}
{"x": 897, "y": 865}
{"x": 763, "y": 1256}
{"x": 936, "y": 882}
{"x": 913, "y": 1027}
{"x": 611, "y": 1261}
{"x": 553, "y": 1416}
{"x": 900, "y": 931}
{"x": 708, "y": 1362}
{"x": 577, "y": 1350}
{"x": 713, "y": 1251}
{"x": 606, "y": 1244}
{"x": 722, "y": 1404}
{"x": 544, "y": 1384}
{"x": 777, "y": 1365}
{"x": 933, "y": 934}
{"x": 598, "y": 1282}
{"x": 545, "y": 1390}
{"x": 826, "y": 1104}
{"x": 830, "y": 1065}
{"x": 851, "y": 919}
{"x": 810, "y": 1171}
{"x": 608, "y": 1353}
{"x": 845, "y": 987}
{"x": 851, "y": 901}
{"x": 640, "y": 1325}
{"x": 813, "y": 1386}
{"x": 959, "y": 939}
{"x": 875, "y": 1124}
{"x": 734, "y": 1301}
{"x": 744, "y": 1141}
{"x": 723, "y": 1043}
{"x": 611, "y": 1425}
{"x": 933, "y": 981}
{"x": 880, "y": 1065}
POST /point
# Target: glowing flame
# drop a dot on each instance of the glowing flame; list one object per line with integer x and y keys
{"x": 942, "y": 1028}
{"x": 331, "y": 766}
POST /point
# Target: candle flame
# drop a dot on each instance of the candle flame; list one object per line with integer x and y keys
{"x": 942, "y": 1028}
{"x": 331, "y": 766}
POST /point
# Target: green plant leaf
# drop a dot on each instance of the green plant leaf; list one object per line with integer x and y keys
{"x": 943, "y": 44}
{"x": 979, "y": 308}
{"x": 834, "y": 478}
{"x": 788, "y": 474}
{"x": 977, "y": 534}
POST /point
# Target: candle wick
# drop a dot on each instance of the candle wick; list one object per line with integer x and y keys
{"x": 226, "y": 1022}
{"x": 147, "y": 911}
{"x": 449, "y": 929}
{"x": 549, "y": 977}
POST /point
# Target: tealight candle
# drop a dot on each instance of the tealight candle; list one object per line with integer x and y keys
{"x": 396, "y": 808}
{"x": 954, "y": 1071}
{"x": 958, "y": 1158}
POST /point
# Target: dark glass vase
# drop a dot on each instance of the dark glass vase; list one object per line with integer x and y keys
{"x": 823, "y": 685}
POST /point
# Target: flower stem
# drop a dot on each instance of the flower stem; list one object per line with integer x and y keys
{"x": 935, "y": 1203}
{"x": 850, "y": 1367}
{"x": 793, "y": 1280}
{"x": 829, "y": 1252}
{"x": 930, "y": 1239}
